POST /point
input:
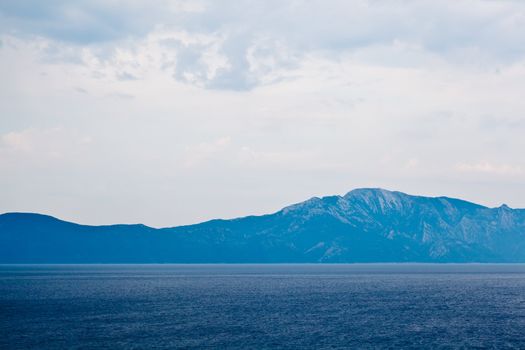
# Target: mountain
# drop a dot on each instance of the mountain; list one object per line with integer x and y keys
{"x": 365, "y": 225}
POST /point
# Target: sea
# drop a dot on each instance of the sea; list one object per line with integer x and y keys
{"x": 318, "y": 306}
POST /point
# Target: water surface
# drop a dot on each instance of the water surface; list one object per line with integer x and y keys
{"x": 262, "y": 306}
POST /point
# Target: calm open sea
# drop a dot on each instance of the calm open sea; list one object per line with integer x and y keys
{"x": 262, "y": 306}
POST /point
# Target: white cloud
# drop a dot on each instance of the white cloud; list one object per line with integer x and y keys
{"x": 241, "y": 45}
{"x": 205, "y": 151}
{"x": 17, "y": 141}
{"x": 166, "y": 116}
{"x": 41, "y": 145}
{"x": 490, "y": 168}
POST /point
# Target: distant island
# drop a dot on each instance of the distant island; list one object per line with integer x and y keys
{"x": 365, "y": 225}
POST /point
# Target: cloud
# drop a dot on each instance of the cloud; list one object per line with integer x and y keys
{"x": 50, "y": 142}
{"x": 18, "y": 141}
{"x": 199, "y": 62}
{"x": 123, "y": 76}
{"x": 297, "y": 159}
{"x": 491, "y": 168}
{"x": 249, "y": 44}
{"x": 205, "y": 151}
{"x": 88, "y": 22}
{"x": 258, "y": 104}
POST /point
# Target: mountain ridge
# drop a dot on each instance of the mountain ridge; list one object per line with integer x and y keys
{"x": 364, "y": 225}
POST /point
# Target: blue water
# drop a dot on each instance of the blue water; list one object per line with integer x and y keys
{"x": 262, "y": 306}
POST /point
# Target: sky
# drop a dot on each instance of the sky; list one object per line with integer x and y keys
{"x": 175, "y": 112}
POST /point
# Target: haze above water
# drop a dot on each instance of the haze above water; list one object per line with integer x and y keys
{"x": 262, "y": 306}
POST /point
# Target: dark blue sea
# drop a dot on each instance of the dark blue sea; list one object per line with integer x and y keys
{"x": 262, "y": 306}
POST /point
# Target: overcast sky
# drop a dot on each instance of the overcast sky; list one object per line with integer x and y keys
{"x": 175, "y": 112}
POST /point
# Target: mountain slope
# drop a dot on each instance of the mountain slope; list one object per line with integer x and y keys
{"x": 365, "y": 225}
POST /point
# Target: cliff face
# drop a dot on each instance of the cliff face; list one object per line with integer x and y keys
{"x": 401, "y": 227}
{"x": 365, "y": 225}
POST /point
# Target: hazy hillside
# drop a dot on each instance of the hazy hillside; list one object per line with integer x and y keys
{"x": 365, "y": 225}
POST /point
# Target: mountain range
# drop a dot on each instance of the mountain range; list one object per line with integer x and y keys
{"x": 365, "y": 225}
